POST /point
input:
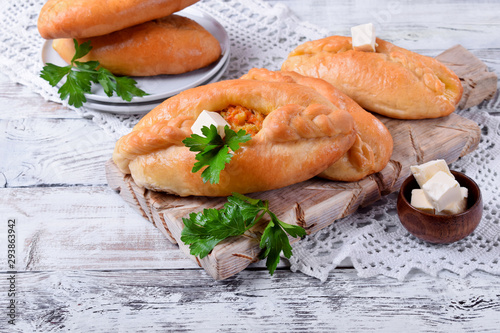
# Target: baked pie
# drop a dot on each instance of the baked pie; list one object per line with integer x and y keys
{"x": 89, "y": 18}
{"x": 296, "y": 134}
{"x": 372, "y": 148}
{"x": 170, "y": 45}
{"x": 392, "y": 81}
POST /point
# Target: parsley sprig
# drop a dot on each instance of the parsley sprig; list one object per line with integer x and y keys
{"x": 213, "y": 150}
{"x": 204, "y": 230}
{"x": 81, "y": 75}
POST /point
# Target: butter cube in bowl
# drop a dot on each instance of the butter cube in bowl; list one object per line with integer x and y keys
{"x": 442, "y": 212}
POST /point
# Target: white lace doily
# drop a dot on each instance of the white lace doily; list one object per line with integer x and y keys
{"x": 261, "y": 36}
{"x": 376, "y": 242}
{"x": 373, "y": 238}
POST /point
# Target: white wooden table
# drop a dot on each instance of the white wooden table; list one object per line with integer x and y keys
{"x": 87, "y": 262}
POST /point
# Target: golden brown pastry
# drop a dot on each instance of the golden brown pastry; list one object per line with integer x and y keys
{"x": 392, "y": 81}
{"x": 171, "y": 45}
{"x": 301, "y": 134}
{"x": 89, "y": 18}
{"x": 372, "y": 148}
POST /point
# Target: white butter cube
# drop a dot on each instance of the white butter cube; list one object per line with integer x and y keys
{"x": 442, "y": 190}
{"x": 207, "y": 118}
{"x": 459, "y": 206}
{"x": 424, "y": 172}
{"x": 363, "y": 37}
{"x": 420, "y": 202}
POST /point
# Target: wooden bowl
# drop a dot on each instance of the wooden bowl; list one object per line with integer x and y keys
{"x": 440, "y": 229}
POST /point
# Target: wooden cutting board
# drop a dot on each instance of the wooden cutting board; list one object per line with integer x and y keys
{"x": 313, "y": 204}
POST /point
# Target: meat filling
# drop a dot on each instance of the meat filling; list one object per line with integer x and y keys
{"x": 240, "y": 117}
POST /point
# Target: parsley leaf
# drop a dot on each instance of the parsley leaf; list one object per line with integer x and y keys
{"x": 81, "y": 75}
{"x": 216, "y": 160}
{"x": 54, "y": 74}
{"x": 81, "y": 50}
{"x": 104, "y": 79}
{"x": 249, "y": 207}
{"x": 204, "y": 230}
{"x": 274, "y": 240}
{"x": 75, "y": 86}
{"x": 213, "y": 150}
{"x": 125, "y": 87}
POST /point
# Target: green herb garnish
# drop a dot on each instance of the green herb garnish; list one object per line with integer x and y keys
{"x": 213, "y": 150}
{"x": 204, "y": 230}
{"x": 81, "y": 75}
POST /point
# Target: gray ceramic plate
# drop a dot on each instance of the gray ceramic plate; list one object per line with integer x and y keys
{"x": 161, "y": 87}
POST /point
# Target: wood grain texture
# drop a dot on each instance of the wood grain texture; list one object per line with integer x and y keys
{"x": 313, "y": 204}
{"x": 428, "y": 26}
{"x": 18, "y": 101}
{"x": 321, "y": 203}
{"x": 189, "y": 300}
{"x": 38, "y": 151}
{"x": 185, "y": 298}
{"x": 479, "y": 84}
{"x": 85, "y": 227}
{"x": 435, "y": 228}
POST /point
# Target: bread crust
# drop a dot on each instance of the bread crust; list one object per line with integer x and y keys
{"x": 170, "y": 45}
{"x": 373, "y": 146}
{"x": 392, "y": 81}
{"x": 301, "y": 135}
{"x": 89, "y": 18}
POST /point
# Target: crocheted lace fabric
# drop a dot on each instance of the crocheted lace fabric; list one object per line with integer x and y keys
{"x": 372, "y": 238}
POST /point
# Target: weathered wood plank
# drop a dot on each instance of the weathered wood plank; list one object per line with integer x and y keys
{"x": 60, "y": 228}
{"x": 479, "y": 84}
{"x": 189, "y": 300}
{"x": 313, "y": 204}
{"x": 85, "y": 227}
{"x": 414, "y": 25}
{"x": 316, "y": 204}
{"x": 18, "y": 101}
{"x": 40, "y": 148}
{"x": 40, "y": 151}
{"x": 324, "y": 202}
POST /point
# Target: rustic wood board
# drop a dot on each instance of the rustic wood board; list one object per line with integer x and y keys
{"x": 313, "y": 204}
{"x": 317, "y": 203}
{"x": 478, "y": 83}
{"x": 128, "y": 296}
{"x": 191, "y": 301}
